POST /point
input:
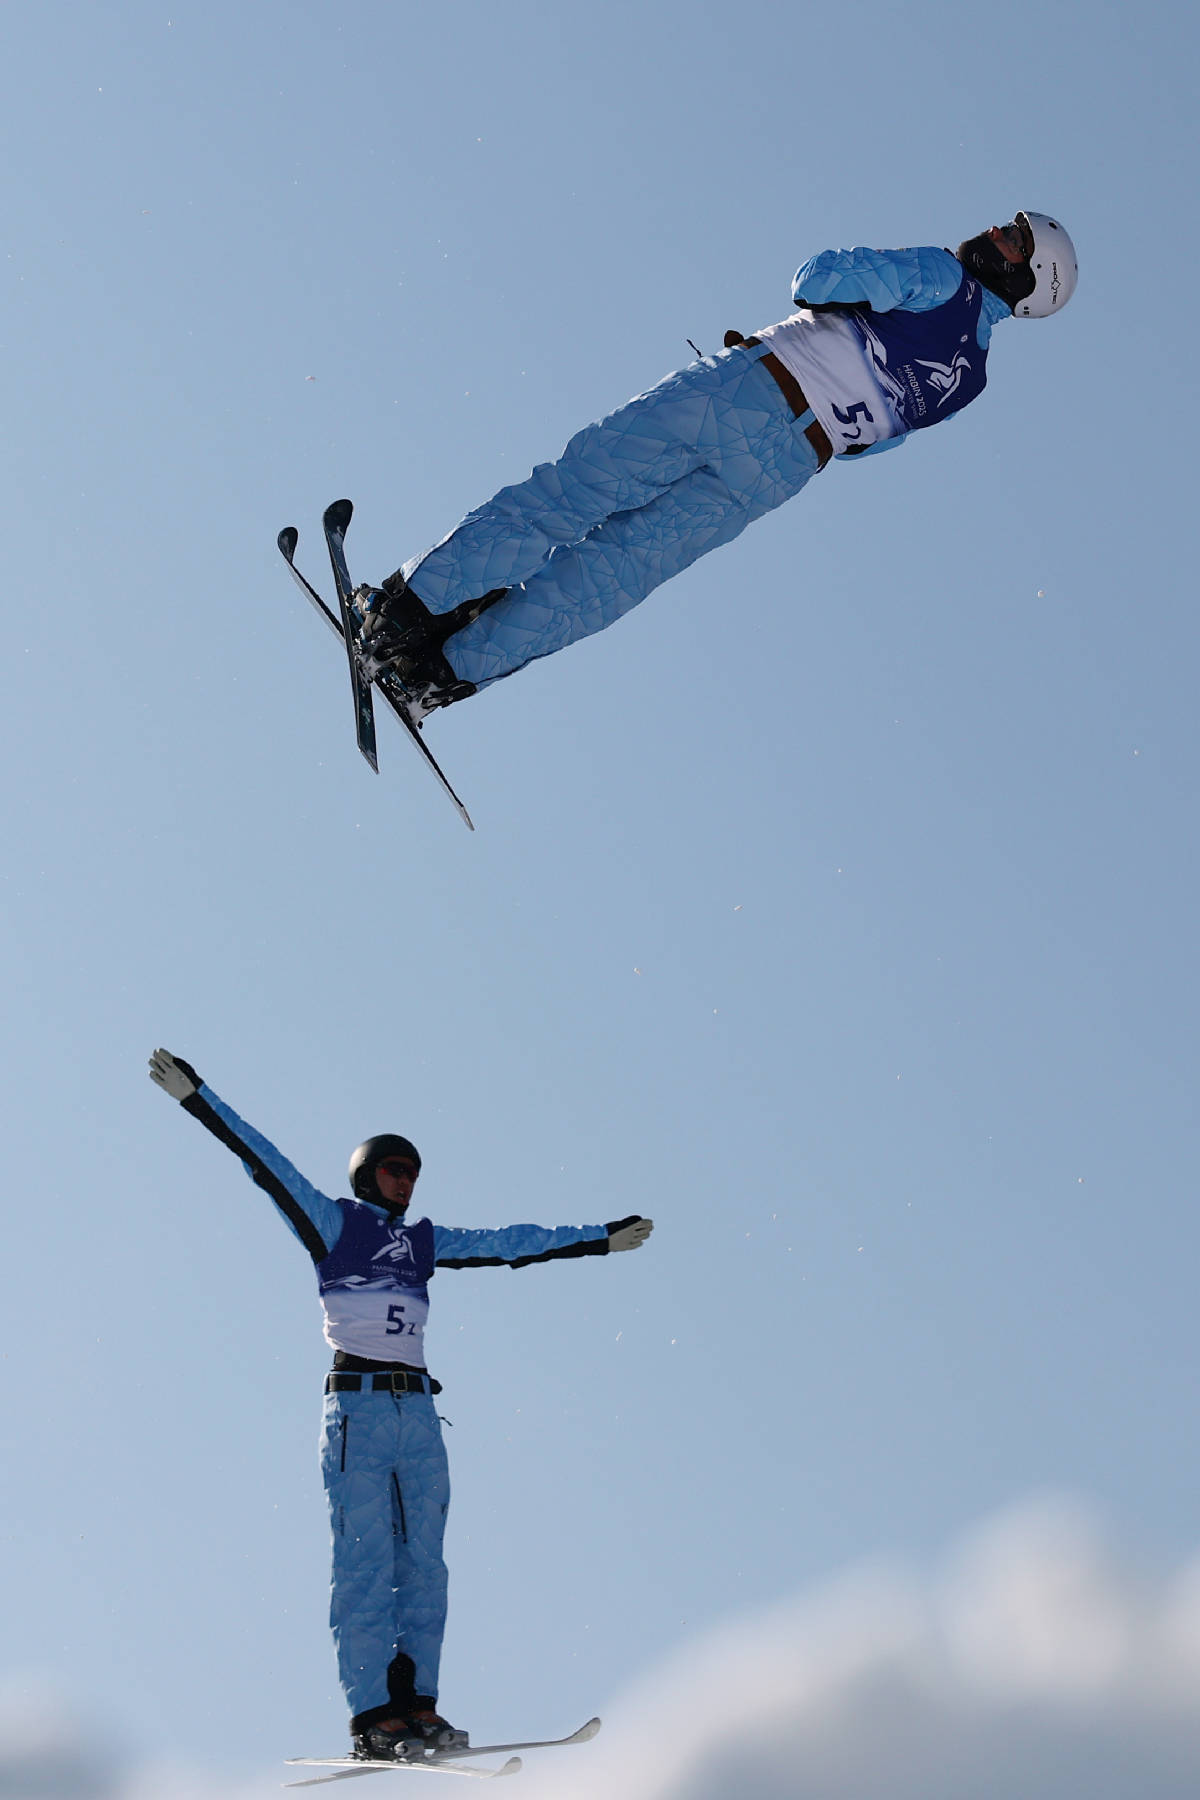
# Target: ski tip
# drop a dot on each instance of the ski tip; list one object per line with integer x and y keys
{"x": 585, "y": 1732}
{"x": 338, "y": 516}
{"x": 287, "y": 540}
{"x": 513, "y": 1766}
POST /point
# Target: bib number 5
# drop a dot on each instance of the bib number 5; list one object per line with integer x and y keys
{"x": 857, "y": 411}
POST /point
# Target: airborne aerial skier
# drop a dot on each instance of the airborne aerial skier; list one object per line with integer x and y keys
{"x": 382, "y": 1456}
{"x": 883, "y": 343}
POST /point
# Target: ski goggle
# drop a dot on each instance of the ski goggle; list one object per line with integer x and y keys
{"x": 1018, "y": 236}
{"x": 398, "y": 1166}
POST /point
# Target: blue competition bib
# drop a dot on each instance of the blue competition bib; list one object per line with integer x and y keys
{"x": 377, "y": 1250}
{"x": 929, "y": 364}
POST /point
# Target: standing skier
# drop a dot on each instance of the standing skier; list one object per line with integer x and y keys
{"x": 886, "y": 342}
{"x": 382, "y": 1455}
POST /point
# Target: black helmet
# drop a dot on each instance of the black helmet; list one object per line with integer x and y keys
{"x": 369, "y": 1155}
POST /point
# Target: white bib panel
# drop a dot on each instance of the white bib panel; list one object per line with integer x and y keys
{"x": 378, "y": 1320}
{"x": 827, "y": 356}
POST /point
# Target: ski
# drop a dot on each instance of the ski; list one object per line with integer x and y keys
{"x": 426, "y": 1766}
{"x": 287, "y": 540}
{"x": 337, "y": 517}
{"x": 582, "y": 1736}
{"x": 427, "y": 755}
{"x": 446, "y": 1761}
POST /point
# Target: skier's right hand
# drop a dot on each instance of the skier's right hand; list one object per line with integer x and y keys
{"x": 630, "y": 1233}
{"x": 173, "y": 1075}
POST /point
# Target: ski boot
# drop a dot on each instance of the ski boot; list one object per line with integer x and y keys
{"x": 396, "y": 626}
{"x": 400, "y": 637}
{"x": 409, "y": 1739}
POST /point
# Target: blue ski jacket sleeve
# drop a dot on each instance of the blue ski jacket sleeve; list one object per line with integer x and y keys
{"x": 315, "y": 1218}
{"x": 516, "y": 1245}
{"x": 914, "y": 280}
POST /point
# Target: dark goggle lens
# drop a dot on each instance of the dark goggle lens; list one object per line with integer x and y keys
{"x": 391, "y": 1166}
{"x": 1018, "y": 235}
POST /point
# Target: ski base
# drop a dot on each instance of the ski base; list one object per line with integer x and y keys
{"x": 357, "y": 1766}
{"x": 336, "y": 520}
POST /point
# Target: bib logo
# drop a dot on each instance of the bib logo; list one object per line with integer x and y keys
{"x": 399, "y": 1250}
{"x": 945, "y": 377}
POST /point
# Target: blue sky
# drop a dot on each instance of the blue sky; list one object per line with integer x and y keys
{"x": 836, "y": 908}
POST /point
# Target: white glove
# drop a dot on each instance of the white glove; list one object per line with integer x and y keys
{"x": 174, "y": 1076}
{"x": 629, "y": 1234}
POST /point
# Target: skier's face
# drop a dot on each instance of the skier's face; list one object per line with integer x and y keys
{"x": 1014, "y": 241}
{"x": 999, "y": 258}
{"x": 395, "y": 1178}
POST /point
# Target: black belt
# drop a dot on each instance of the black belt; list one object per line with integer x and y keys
{"x": 792, "y": 392}
{"x": 394, "y": 1381}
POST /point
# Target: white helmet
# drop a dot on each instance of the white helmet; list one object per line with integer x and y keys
{"x": 1053, "y": 264}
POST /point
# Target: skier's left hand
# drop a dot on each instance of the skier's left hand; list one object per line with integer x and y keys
{"x": 173, "y": 1075}
{"x": 629, "y": 1234}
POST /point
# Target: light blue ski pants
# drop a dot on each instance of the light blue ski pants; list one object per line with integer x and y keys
{"x": 388, "y": 1484}
{"x": 631, "y": 501}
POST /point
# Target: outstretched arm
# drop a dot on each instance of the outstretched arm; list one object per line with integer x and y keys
{"x": 312, "y": 1215}
{"x": 515, "y": 1246}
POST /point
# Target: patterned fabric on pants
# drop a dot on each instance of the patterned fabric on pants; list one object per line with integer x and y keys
{"x": 388, "y": 1484}
{"x": 632, "y": 501}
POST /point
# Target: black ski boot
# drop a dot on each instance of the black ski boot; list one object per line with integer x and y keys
{"x": 402, "y": 638}
{"x": 437, "y": 1733}
{"x": 396, "y": 625}
{"x": 408, "y": 1741}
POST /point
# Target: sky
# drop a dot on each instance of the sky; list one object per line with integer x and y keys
{"x": 835, "y": 909}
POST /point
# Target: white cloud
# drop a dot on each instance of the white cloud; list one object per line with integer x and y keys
{"x": 47, "y": 1753}
{"x": 1033, "y": 1664}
